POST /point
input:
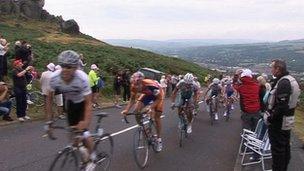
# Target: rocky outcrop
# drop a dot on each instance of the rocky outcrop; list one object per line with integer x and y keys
{"x": 70, "y": 27}
{"x": 33, "y": 9}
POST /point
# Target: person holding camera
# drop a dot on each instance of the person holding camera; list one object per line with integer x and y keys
{"x": 20, "y": 82}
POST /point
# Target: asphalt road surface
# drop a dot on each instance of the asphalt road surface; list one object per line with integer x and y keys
{"x": 22, "y": 146}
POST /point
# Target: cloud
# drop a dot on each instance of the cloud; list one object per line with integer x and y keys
{"x": 164, "y": 19}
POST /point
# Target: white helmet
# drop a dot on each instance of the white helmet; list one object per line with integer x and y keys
{"x": 215, "y": 81}
{"x": 188, "y": 78}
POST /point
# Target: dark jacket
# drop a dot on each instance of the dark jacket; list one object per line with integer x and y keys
{"x": 280, "y": 107}
{"x": 262, "y": 94}
{"x": 249, "y": 95}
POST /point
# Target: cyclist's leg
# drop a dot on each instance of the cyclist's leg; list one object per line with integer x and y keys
{"x": 139, "y": 105}
{"x": 75, "y": 112}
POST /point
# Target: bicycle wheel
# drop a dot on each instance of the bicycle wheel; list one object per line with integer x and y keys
{"x": 37, "y": 98}
{"x": 13, "y": 100}
{"x": 182, "y": 130}
{"x": 228, "y": 112}
{"x": 140, "y": 148}
{"x": 211, "y": 113}
{"x": 104, "y": 151}
{"x": 65, "y": 160}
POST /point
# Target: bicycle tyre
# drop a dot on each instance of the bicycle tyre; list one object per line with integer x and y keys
{"x": 104, "y": 147}
{"x": 183, "y": 130}
{"x": 228, "y": 112}
{"x": 37, "y": 98}
{"x": 13, "y": 100}
{"x": 211, "y": 113}
{"x": 66, "y": 154}
{"x": 140, "y": 145}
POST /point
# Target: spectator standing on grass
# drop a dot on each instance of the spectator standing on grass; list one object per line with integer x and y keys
{"x": 93, "y": 80}
{"x": 248, "y": 90}
{"x": 3, "y": 57}
{"x": 282, "y": 102}
{"x": 19, "y": 81}
{"x": 82, "y": 64}
{"x": 5, "y": 104}
{"x": 117, "y": 89}
{"x": 126, "y": 85}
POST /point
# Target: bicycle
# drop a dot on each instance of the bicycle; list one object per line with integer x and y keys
{"x": 75, "y": 155}
{"x": 213, "y": 108}
{"x": 229, "y": 102}
{"x": 185, "y": 109}
{"x": 144, "y": 138}
{"x": 36, "y": 97}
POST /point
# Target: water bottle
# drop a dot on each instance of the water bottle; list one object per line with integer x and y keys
{"x": 84, "y": 153}
{"x": 99, "y": 131}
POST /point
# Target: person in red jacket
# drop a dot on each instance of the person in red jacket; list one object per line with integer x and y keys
{"x": 248, "y": 90}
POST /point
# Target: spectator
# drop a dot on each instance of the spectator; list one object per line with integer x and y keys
{"x": 93, "y": 80}
{"x": 117, "y": 89}
{"x": 163, "y": 84}
{"x": 45, "y": 78}
{"x": 19, "y": 81}
{"x": 169, "y": 85}
{"x": 248, "y": 91}
{"x": 81, "y": 62}
{"x": 5, "y": 104}
{"x": 3, "y": 57}
{"x": 174, "y": 81}
{"x": 22, "y": 52}
{"x": 282, "y": 102}
{"x": 126, "y": 85}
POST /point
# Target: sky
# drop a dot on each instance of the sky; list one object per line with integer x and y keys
{"x": 266, "y": 20}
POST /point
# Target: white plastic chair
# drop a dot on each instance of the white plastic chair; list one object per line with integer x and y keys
{"x": 260, "y": 147}
{"x": 248, "y": 133}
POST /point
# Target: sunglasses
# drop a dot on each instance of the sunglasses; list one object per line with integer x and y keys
{"x": 67, "y": 66}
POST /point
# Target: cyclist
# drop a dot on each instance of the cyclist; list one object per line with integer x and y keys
{"x": 187, "y": 89}
{"x": 150, "y": 93}
{"x": 74, "y": 85}
{"x": 228, "y": 94}
{"x": 214, "y": 89}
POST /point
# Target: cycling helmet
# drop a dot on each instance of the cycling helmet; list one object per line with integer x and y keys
{"x": 137, "y": 76}
{"x": 68, "y": 58}
{"x": 215, "y": 81}
{"x": 188, "y": 78}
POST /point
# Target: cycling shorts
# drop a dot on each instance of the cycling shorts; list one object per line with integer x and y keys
{"x": 75, "y": 112}
{"x": 149, "y": 99}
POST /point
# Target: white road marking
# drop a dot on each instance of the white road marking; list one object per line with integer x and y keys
{"x": 130, "y": 128}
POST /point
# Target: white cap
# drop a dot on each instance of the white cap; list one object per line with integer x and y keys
{"x": 93, "y": 66}
{"x": 51, "y": 66}
{"x": 57, "y": 67}
{"x": 246, "y": 73}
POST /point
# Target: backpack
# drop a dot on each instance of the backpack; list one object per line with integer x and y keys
{"x": 100, "y": 83}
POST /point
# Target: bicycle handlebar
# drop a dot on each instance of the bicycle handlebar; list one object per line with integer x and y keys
{"x": 133, "y": 113}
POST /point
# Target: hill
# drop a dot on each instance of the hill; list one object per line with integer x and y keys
{"x": 48, "y": 41}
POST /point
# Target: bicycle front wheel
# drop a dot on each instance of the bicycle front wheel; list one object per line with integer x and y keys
{"x": 65, "y": 160}
{"x": 104, "y": 146}
{"x": 183, "y": 130}
{"x": 37, "y": 98}
{"x": 140, "y": 148}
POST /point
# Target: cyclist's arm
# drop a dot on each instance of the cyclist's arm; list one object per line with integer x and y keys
{"x": 131, "y": 102}
{"x": 87, "y": 110}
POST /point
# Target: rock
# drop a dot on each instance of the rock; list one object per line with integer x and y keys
{"x": 70, "y": 27}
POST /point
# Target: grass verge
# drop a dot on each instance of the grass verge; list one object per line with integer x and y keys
{"x": 299, "y": 125}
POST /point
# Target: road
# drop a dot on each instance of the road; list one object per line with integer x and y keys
{"x": 208, "y": 147}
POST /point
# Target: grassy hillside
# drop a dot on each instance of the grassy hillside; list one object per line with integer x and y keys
{"x": 47, "y": 42}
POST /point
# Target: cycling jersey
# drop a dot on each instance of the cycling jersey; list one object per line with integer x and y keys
{"x": 185, "y": 92}
{"x": 215, "y": 89}
{"x": 151, "y": 91}
{"x": 74, "y": 93}
{"x": 229, "y": 90}
{"x": 74, "y": 90}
